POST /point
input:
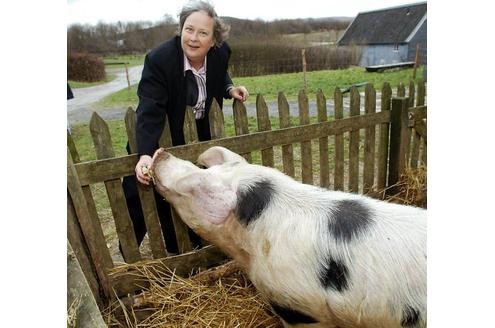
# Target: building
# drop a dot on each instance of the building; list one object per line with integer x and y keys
{"x": 389, "y": 35}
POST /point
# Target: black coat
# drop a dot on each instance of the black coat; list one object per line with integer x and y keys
{"x": 162, "y": 93}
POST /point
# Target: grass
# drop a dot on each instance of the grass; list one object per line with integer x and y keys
{"x": 268, "y": 85}
{"x": 77, "y": 84}
{"x": 290, "y": 84}
{"x": 132, "y": 60}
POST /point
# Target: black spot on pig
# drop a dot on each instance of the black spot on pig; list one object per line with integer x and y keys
{"x": 410, "y": 317}
{"x": 334, "y": 275}
{"x": 348, "y": 219}
{"x": 292, "y": 316}
{"x": 253, "y": 200}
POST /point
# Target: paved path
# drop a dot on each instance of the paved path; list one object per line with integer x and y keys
{"x": 80, "y": 108}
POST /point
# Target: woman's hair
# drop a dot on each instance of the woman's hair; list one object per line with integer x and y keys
{"x": 220, "y": 29}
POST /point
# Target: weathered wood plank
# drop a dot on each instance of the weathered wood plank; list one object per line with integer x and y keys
{"x": 420, "y": 127}
{"x": 421, "y": 93}
{"x": 415, "y": 143}
{"x": 80, "y": 296}
{"x": 101, "y": 170}
{"x": 417, "y": 114}
{"x": 287, "y": 150}
{"x": 401, "y": 90}
{"x": 339, "y": 142}
{"x": 123, "y": 224}
{"x": 81, "y": 251}
{"x": 146, "y": 196}
{"x": 382, "y": 158}
{"x": 130, "y": 128}
{"x": 241, "y": 123}
{"x": 321, "y": 104}
{"x": 264, "y": 125}
{"x": 72, "y": 148}
{"x": 191, "y": 137}
{"x": 306, "y": 157}
{"x": 420, "y": 102}
{"x": 181, "y": 233}
{"x": 423, "y": 152}
{"x": 398, "y": 141}
{"x": 127, "y": 279}
{"x": 369, "y": 142}
{"x": 166, "y": 138}
{"x": 354, "y": 143}
{"x": 217, "y": 129}
{"x": 190, "y": 129}
{"x": 412, "y": 93}
{"x": 90, "y": 228}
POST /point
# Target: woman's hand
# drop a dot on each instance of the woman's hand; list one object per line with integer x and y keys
{"x": 142, "y": 168}
{"x": 240, "y": 93}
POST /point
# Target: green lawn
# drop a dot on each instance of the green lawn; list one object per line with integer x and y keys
{"x": 270, "y": 85}
{"x": 132, "y": 60}
{"x": 76, "y": 84}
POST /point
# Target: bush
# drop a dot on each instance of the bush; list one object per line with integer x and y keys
{"x": 85, "y": 67}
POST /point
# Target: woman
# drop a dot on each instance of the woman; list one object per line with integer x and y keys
{"x": 189, "y": 69}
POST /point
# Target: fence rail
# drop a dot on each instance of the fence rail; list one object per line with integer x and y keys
{"x": 367, "y": 149}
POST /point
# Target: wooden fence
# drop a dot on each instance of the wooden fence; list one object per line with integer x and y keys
{"x": 360, "y": 152}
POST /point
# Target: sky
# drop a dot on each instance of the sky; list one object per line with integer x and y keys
{"x": 110, "y": 11}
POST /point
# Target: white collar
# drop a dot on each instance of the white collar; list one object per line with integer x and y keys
{"x": 188, "y": 66}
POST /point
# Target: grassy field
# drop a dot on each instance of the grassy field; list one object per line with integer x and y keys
{"x": 132, "y": 60}
{"x": 270, "y": 85}
{"x": 109, "y": 64}
{"x": 76, "y": 84}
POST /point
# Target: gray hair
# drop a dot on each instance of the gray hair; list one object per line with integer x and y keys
{"x": 220, "y": 29}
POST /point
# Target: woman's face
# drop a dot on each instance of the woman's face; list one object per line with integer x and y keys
{"x": 197, "y": 36}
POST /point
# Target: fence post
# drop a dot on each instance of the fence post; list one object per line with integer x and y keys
{"x": 303, "y": 52}
{"x": 398, "y": 141}
{"x": 127, "y": 76}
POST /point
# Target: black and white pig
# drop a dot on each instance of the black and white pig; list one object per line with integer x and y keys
{"x": 321, "y": 258}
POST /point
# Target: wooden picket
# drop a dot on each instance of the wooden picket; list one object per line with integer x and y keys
{"x": 384, "y": 139}
{"x": 354, "y": 143}
{"x": 306, "y": 157}
{"x": 287, "y": 150}
{"x": 369, "y": 142}
{"x": 321, "y": 104}
{"x": 123, "y": 224}
{"x": 339, "y": 142}
{"x": 146, "y": 196}
{"x": 264, "y": 125}
{"x": 401, "y": 141}
{"x": 241, "y": 123}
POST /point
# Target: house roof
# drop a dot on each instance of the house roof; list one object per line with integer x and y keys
{"x": 385, "y": 26}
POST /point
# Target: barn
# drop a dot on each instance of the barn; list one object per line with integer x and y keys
{"x": 389, "y": 35}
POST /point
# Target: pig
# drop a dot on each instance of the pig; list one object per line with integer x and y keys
{"x": 320, "y": 258}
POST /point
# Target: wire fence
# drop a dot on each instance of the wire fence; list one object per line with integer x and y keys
{"x": 262, "y": 60}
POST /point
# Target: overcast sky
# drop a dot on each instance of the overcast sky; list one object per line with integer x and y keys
{"x": 110, "y": 11}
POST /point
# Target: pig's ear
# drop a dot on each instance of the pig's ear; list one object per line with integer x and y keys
{"x": 212, "y": 198}
{"x": 218, "y": 155}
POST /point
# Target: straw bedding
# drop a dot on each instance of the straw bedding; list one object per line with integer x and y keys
{"x": 219, "y": 297}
